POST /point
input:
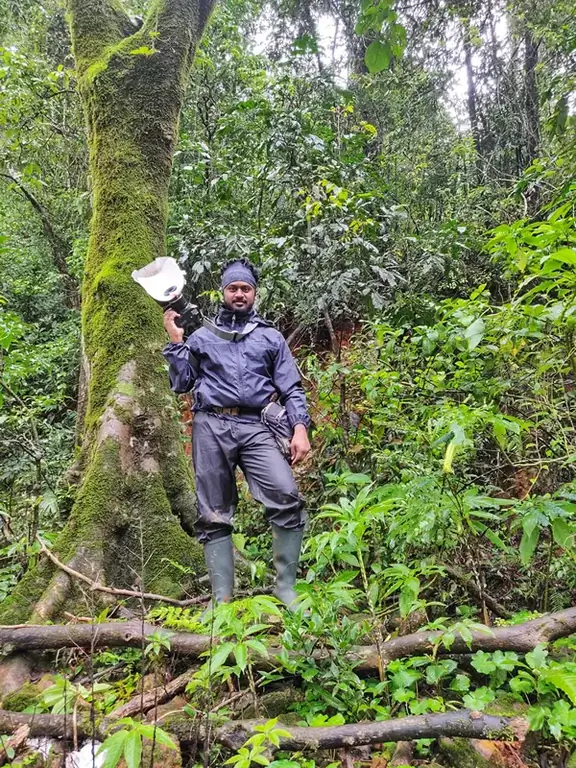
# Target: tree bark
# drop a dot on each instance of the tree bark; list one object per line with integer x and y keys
{"x": 136, "y": 480}
{"x": 233, "y": 735}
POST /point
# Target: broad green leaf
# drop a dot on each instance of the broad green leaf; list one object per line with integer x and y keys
{"x": 133, "y": 749}
{"x": 220, "y": 655}
{"x": 479, "y": 699}
{"x": 564, "y": 681}
{"x": 565, "y": 255}
{"x": 161, "y": 737}
{"x": 475, "y": 333}
{"x": 461, "y": 683}
{"x": 528, "y": 544}
{"x": 563, "y": 532}
{"x": 113, "y": 747}
{"x": 241, "y": 655}
{"x": 536, "y": 659}
{"x": 378, "y": 55}
{"x": 483, "y": 663}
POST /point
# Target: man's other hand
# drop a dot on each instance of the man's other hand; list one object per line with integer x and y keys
{"x": 299, "y": 445}
{"x": 175, "y": 333}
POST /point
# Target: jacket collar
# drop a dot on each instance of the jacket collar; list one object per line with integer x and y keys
{"x": 229, "y": 319}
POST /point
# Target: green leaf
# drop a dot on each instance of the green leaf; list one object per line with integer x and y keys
{"x": 565, "y": 255}
{"x": 113, "y": 747}
{"x": 220, "y": 656}
{"x": 161, "y": 737}
{"x": 562, "y": 532}
{"x": 483, "y": 663}
{"x": 536, "y": 659}
{"x": 258, "y": 646}
{"x": 528, "y": 545}
{"x": 479, "y": 699}
{"x": 378, "y": 55}
{"x": 144, "y": 50}
{"x": 133, "y": 749}
{"x": 241, "y": 655}
{"x": 564, "y": 681}
{"x": 475, "y": 333}
{"x": 461, "y": 683}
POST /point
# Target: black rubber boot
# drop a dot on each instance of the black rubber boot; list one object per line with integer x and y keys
{"x": 286, "y": 546}
{"x": 220, "y": 564}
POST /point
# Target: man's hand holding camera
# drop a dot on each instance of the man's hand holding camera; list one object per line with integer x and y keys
{"x": 175, "y": 333}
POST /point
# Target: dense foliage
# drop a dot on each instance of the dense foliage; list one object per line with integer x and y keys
{"x": 402, "y": 174}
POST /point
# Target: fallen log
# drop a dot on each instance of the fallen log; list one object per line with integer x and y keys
{"x": 521, "y": 638}
{"x": 464, "y": 723}
{"x": 132, "y": 634}
{"x": 142, "y": 703}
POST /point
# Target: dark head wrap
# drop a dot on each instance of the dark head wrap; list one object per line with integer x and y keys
{"x": 238, "y": 272}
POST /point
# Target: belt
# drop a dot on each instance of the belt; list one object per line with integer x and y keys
{"x": 237, "y": 410}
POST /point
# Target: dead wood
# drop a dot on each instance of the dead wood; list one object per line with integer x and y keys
{"x": 521, "y": 638}
{"x": 15, "y": 742}
{"x": 403, "y": 753}
{"x": 155, "y": 697}
{"x": 470, "y": 585}
{"x": 35, "y": 637}
{"x": 464, "y": 723}
{"x": 96, "y": 587}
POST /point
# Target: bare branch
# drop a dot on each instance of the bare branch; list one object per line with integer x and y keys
{"x": 58, "y": 246}
{"x": 463, "y": 723}
{"x": 96, "y": 587}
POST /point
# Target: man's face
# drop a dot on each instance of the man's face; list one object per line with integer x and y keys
{"x": 239, "y": 297}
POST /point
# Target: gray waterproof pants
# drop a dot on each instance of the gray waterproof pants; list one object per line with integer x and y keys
{"x": 220, "y": 444}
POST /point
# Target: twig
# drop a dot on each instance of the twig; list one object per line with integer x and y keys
{"x": 96, "y": 587}
{"x": 497, "y": 608}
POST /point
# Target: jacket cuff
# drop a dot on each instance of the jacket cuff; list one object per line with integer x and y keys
{"x": 298, "y": 418}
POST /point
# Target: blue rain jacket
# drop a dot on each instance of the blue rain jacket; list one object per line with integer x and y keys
{"x": 247, "y": 372}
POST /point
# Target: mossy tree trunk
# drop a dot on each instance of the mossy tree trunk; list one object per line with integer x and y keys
{"x": 124, "y": 527}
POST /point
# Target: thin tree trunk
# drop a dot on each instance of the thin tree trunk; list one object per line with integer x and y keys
{"x": 532, "y": 113}
{"x": 472, "y": 99}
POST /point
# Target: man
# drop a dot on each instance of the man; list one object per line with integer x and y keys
{"x": 236, "y": 367}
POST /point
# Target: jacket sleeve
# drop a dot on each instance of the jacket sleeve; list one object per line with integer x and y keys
{"x": 184, "y": 366}
{"x": 287, "y": 381}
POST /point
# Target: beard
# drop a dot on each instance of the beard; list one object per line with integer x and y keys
{"x": 240, "y": 308}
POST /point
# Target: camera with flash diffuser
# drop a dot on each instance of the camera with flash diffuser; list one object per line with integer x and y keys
{"x": 164, "y": 281}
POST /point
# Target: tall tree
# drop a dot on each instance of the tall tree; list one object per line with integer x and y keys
{"x": 135, "y": 479}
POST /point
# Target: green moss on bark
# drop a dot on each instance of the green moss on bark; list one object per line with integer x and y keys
{"x": 460, "y": 753}
{"x": 18, "y": 607}
{"x": 21, "y": 699}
